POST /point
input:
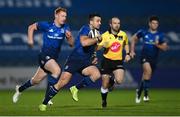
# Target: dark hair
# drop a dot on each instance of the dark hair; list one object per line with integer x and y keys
{"x": 92, "y": 15}
{"x": 153, "y": 17}
{"x": 59, "y": 9}
{"x": 110, "y": 21}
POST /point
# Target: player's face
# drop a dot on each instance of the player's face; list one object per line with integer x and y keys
{"x": 153, "y": 25}
{"x": 61, "y": 17}
{"x": 96, "y": 22}
{"x": 115, "y": 24}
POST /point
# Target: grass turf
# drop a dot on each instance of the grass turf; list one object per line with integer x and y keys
{"x": 120, "y": 102}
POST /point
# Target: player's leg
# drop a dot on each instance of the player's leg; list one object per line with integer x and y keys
{"x": 36, "y": 79}
{"x": 104, "y": 89}
{"x": 119, "y": 75}
{"x": 92, "y": 74}
{"x": 71, "y": 67}
{"x": 147, "y": 73}
{"x": 144, "y": 85}
{"x": 53, "y": 90}
{"x": 54, "y": 69}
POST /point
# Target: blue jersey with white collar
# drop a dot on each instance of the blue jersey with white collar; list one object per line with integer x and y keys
{"x": 80, "y": 52}
{"x": 53, "y": 37}
{"x": 149, "y": 49}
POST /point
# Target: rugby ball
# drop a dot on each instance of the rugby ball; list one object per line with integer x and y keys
{"x": 94, "y": 33}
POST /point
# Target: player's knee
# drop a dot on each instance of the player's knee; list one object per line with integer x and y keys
{"x": 119, "y": 81}
{"x": 147, "y": 73}
{"x": 56, "y": 72}
{"x": 97, "y": 75}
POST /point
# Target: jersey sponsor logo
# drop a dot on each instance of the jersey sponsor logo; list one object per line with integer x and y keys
{"x": 62, "y": 31}
{"x": 56, "y": 34}
{"x": 54, "y": 37}
{"x": 146, "y": 36}
{"x": 51, "y": 30}
{"x": 115, "y": 47}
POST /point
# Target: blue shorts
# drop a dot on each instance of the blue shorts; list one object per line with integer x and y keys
{"x": 74, "y": 65}
{"x": 43, "y": 59}
{"x": 150, "y": 60}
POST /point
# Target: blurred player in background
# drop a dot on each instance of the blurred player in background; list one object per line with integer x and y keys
{"x": 53, "y": 35}
{"x": 153, "y": 41}
{"x": 113, "y": 41}
{"x": 80, "y": 59}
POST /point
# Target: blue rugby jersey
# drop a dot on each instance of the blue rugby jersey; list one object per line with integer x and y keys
{"x": 53, "y": 37}
{"x": 80, "y": 52}
{"x": 149, "y": 49}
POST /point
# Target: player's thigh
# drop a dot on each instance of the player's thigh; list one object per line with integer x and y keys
{"x": 147, "y": 70}
{"x": 39, "y": 75}
{"x": 105, "y": 80}
{"x": 92, "y": 72}
{"x": 53, "y": 67}
{"x": 119, "y": 75}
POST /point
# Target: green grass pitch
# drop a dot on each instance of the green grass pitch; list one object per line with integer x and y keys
{"x": 120, "y": 102}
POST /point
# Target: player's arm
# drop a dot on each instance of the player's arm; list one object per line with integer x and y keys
{"x": 69, "y": 38}
{"x": 126, "y": 48}
{"x": 134, "y": 40}
{"x": 127, "y": 57}
{"x": 86, "y": 41}
{"x": 31, "y": 30}
{"x": 162, "y": 46}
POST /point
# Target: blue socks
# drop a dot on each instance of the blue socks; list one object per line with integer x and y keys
{"x": 146, "y": 87}
{"x": 86, "y": 81}
{"x": 140, "y": 89}
{"x": 145, "y": 84}
{"x": 51, "y": 82}
{"x": 25, "y": 86}
{"x": 50, "y": 94}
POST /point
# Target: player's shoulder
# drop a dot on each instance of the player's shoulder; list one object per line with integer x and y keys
{"x": 142, "y": 30}
{"x": 160, "y": 33}
{"x": 105, "y": 33}
{"x": 66, "y": 25}
{"x": 121, "y": 32}
{"x": 85, "y": 28}
{"x": 45, "y": 22}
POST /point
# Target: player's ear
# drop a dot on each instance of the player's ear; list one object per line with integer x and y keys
{"x": 56, "y": 16}
{"x": 110, "y": 24}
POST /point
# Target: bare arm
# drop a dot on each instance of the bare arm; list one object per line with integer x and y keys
{"x": 70, "y": 38}
{"x": 127, "y": 57}
{"x": 162, "y": 46}
{"x": 86, "y": 41}
{"x": 31, "y": 30}
{"x": 134, "y": 40}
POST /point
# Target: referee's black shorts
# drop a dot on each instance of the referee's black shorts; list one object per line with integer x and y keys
{"x": 108, "y": 66}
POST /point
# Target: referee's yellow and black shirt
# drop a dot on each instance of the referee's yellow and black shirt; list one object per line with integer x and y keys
{"x": 113, "y": 44}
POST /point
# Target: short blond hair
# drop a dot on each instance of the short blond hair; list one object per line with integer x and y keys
{"x": 59, "y": 9}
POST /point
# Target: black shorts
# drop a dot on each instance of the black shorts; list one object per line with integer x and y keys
{"x": 108, "y": 66}
{"x": 43, "y": 59}
{"x": 150, "y": 60}
{"x": 74, "y": 65}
